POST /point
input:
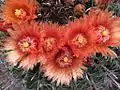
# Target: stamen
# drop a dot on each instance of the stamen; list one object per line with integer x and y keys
{"x": 79, "y": 40}
{"x": 48, "y": 44}
{"x": 103, "y": 34}
{"x": 66, "y": 59}
{"x": 20, "y": 13}
{"x": 26, "y": 44}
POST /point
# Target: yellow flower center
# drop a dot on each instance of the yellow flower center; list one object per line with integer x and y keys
{"x": 105, "y": 33}
{"x": 79, "y": 40}
{"x": 20, "y": 13}
{"x": 26, "y": 44}
{"x": 48, "y": 44}
{"x": 66, "y": 59}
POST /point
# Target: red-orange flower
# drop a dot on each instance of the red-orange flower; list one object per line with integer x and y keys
{"x": 24, "y": 42}
{"x": 17, "y": 10}
{"x": 64, "y": 67}
{"x": 50, "y": 40}
{"x": 107, "y": 29}
{"x": 80, "y": 37}
{"x": 69, "y": 59}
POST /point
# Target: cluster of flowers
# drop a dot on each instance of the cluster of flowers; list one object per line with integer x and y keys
{"x": 62, "y": 51}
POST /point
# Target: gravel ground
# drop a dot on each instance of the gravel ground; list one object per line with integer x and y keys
{"x": 9, "y": 81}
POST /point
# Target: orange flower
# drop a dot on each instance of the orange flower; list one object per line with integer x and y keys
{"x": 69, "y": 59}
{"x": 80, "y": 37}
{"x": 24, "y": 42}
{"x": 107, "y": 29}
{"x": 64, "y": 67}
{"x": 50, "y": 40}
{"x": 17, "y": 10}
